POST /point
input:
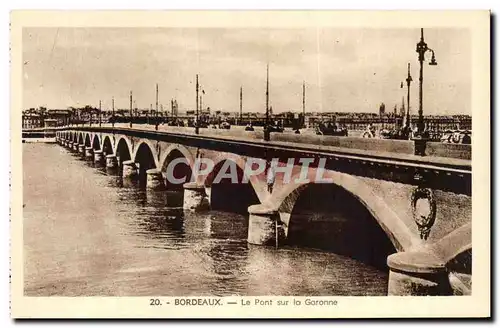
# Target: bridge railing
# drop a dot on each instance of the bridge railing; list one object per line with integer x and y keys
{"x": 407, "y": 147}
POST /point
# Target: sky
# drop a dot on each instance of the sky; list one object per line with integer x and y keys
{"x": 344, "y": 70}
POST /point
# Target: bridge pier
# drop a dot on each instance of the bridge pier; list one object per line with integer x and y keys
{"x": 129, "y": 169}
{"x": 194, "y": 197}
{"x": 111, "y": 162}
{"x": 81, "y": 149}
{"x": 417, "y": 274}
{"x": 98, "y": 157}
{"x": 70, "y": 145}
{"x": 75, "y": 146}
{"x": 263, "y": 225}
{"x": 88, "y": 153}
{"x": 154, "y": 179}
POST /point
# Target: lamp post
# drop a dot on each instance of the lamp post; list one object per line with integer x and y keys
{"x": 130, "y": 109}
{"x": 156, "y": 108}
{"x": 201, "y": 102}
{"x": 172, "y": 107}
{"x": 113, "y": 112}
{"x": 196, "y": 127}
{"x": 164, "y": 116}
{"x": 267, "y": 136}
{"x": 100, "y": 113}
{"x": 241, "y": 105}
{"x": 149, "y": 113}
{"x": 408, "y": 118}
{"x": 304, "y": 104}
{"x": 421, "y": 137}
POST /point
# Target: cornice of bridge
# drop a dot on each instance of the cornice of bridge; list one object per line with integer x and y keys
{"x": 449, "y": 174}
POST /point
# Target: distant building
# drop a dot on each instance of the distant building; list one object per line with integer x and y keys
{"x": 32, "y": 121}
{"x": 61, "y": 116}
{"x": 35, "y": 118}
{"x": 50, "y": 123}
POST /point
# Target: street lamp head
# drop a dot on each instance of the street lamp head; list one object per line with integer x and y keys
{"x": 433, "y": 61}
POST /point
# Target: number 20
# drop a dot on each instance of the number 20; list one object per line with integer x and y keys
{"x": 154, "y": 301}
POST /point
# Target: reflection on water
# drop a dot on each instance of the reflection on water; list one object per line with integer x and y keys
{"x": 87, "y": 233}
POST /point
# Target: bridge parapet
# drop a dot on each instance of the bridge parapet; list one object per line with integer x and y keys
{"x": 434, "y": 149}
{"x": 384, "y": 175}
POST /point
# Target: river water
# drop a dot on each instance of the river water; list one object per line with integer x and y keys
{"x": 85, "y": 234}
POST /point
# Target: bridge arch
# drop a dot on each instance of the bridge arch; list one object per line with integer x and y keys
{"x": 455, "y": 251}
{"x": 96, "y": 142}
{"x": 453, "y": 244}
{"x": 145, "y": 143}
{"x": 397, "y": 232}
{"x": 181, "y": 170}
{"x": 230, "y": 193}
{"x": 259, "y": 186}
{"x": 80, "y": 138}
{"x": 145, "y": 158}
{"x": 107, "y": 146}
{"x": 88, "y": 141}
{"x": 460, "y": 272}
{"x": 123, "y": 150}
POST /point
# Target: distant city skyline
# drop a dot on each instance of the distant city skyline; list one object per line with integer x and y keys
{"x": 345, "y": 70}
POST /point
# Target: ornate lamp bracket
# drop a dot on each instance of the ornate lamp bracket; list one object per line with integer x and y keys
{"x": 423, "y": 205}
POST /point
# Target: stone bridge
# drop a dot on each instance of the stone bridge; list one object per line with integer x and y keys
{"x": 418, "y": 208}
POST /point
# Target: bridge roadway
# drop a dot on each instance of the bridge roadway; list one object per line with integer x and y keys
{"x": 422, "y": 203}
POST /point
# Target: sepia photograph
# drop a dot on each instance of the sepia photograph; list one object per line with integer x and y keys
{"x": 204, "y": 164}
